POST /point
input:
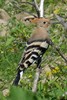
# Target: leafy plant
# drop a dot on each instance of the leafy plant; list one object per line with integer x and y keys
{"x": 17, "y": 93}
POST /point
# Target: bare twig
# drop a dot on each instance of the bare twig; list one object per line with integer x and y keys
{"x": 61, "y": 20}
{"x": 18, "y": 7}
{"x": 27, "y": 3}
{"x": 34, "y": 88}
{"x": 36, "y": 8}
{"x": 41, "y": 8}
{"x": 57, "y": 49}
{"x": 54, "y": 22}
{"x": 34, "y": 4}
{"x": 22, "y": 2}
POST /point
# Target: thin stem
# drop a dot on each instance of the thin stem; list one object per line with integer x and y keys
{"x": 61, "y": 20}
{"x": 41, "y": 8}
{"x": 34, "y": 88}
{"x": 37, "y": 8}
{"x": 57, "y": 49}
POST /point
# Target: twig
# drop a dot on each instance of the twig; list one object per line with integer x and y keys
{"x": 23, "y": 2}
{"x": 61, "y": 20}
{"x": 17, "y": 6}
{"x": 34, "y": 88}
{"x": 57, "y": 49}
{"x": 41, "y": 8}
{"x": 36, "y": 8}
{"x": 27, "y": 3}
{"x": 34, "y": 4}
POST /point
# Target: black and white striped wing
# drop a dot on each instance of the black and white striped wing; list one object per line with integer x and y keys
{"x": 33, "y": 52}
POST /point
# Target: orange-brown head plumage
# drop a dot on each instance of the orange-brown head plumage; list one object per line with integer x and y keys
{"x": 41, "y": 30}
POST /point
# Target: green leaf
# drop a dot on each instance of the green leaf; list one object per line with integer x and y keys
{"x": 17, "y": 93}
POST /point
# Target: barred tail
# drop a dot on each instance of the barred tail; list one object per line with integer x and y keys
{"x": 18, "y": 77}
{"x": 15, "y": 82}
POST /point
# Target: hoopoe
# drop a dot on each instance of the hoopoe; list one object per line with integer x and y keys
{"x": 37, "y": 45}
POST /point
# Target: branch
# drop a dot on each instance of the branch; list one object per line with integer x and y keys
{"x": 27, "y": 3}
{"x": 23, "y": 2}
{"x": 2, "y": 21}
{"x": 17, "y": 6}
{"x": 36, "y": 8}
{"x": 34, "y": 88}
{"x": 61, "y": 20}
{"x": 57, "y": 49}
{"x": 34, "y": 4}
{"x": 54, "y": 22}
{"x": 41, "y": 8}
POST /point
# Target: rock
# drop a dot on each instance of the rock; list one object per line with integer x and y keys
{"x": 3, "y": 27}
{"x": 4, "y": 15}
{"x": 5, "y": 92}
{"x": 3, "y": 22}
{"x": 21, "y": 16}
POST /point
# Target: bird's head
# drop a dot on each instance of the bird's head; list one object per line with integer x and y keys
{"x": 41, "y": 22}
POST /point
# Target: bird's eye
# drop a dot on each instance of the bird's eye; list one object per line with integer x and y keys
{"x": 44, "y": 22}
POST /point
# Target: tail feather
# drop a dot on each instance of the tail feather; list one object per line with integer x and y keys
{"x": 16, "y": 81}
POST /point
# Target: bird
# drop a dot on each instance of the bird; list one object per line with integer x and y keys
{"x": 36, "y": 46}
